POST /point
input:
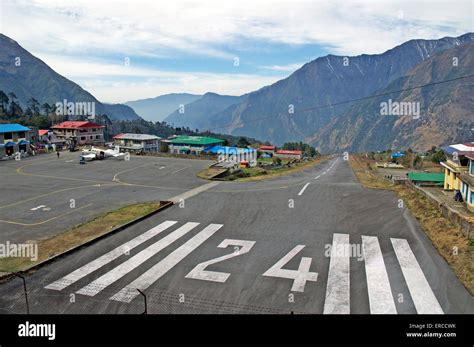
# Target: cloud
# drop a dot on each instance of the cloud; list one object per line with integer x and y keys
{"x": 202, "y": 27}
{"x": 288, "y": 67}
{"x": 86, "y": 39}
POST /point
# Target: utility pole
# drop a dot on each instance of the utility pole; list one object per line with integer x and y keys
{"x": 144, "y": 299}
{"x": 26, "y": 293}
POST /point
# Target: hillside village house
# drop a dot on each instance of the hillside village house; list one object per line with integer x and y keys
{"x": 270, "y": 150}
{"x": 286, "y": 154}
{"x": 467, "y": 183}
{"x": 137, "y": 142}
{"x": 456, "y": 164}
{"x": 14, "y": 138}
{"x": 192, "y": 144}
{"x": 80, "y": 133}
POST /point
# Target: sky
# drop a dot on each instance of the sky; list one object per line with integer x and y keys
{"x": 135, "y": 49}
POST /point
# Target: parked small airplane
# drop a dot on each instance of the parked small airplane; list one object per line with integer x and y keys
{"x": 99, "y": 153}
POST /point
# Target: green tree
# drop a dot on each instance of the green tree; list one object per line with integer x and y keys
{"x": 4, "y": 101}
{"x": 242, "y": 142}
{"x": 438, "y": 156}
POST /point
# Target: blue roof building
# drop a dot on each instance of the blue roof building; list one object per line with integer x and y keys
{"x": 12, "y": 128}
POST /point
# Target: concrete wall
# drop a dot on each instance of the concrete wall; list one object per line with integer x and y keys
{"x": 466, "y": 226}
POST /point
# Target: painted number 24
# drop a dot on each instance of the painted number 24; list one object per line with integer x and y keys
{"x": 299, "y": 277}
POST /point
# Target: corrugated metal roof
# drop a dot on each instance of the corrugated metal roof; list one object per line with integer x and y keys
{"x": 11, "y": 128}
{"x": 229, "y": 150}
{"x": 285, "y": 151}
{"x": 140, "y": 137}
{"x": 77, "y": 125}
{"x": 195, "y": 140}
{"x": 426, "y": 176}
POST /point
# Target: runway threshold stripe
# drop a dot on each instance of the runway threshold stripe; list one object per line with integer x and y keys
{"x": 108, "y": 257}
{"x": 128, "y": 293}
{"x": 303, "y": 189}
{"x": 338, "y": 286}
{"x": 121, "y": 270}
{"x": 423, "y": 297}
{"x": 378, "y": 285}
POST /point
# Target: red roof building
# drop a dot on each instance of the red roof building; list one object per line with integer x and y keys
{"x": 77, "y": 125}
{"x": 283, "y": 153}
{"x": 80, "y": 133}
{"x": 42, "y": 132}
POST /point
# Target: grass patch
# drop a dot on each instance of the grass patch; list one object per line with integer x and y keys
{"x": 446, "y": 236}
{"x": 79, "y": 235}
{"x": 257, "y": 173}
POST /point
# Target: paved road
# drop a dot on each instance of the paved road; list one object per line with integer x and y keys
{"x": 276, "y": 246}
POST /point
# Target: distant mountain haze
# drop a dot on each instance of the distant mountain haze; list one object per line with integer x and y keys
{"x": 27, "y": 76}
{"x": 157, "y": 109}
{"x": 198, "y": 114}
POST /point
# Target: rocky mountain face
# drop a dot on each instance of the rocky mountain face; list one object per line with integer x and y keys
{"x": 27, "y": 76}
{"x": 330, "y": 80}
{"x": 429, "y": 116}
{"x": 157, "y": 109}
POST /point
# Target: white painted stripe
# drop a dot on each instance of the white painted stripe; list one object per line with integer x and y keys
{"x": 121, "y": 270}
{"x": 303, "y": 189}
{"x": 423, "y": 297}
{"x": 128, "y": 293}
{"x": 193, "y": 192}
{"x": 37, "y": 207}
{"x": 323, "y": 173}
{"x": 108, "y": 257}
{"x": 162, "y": 167}
{"x": 184, "y": 168}
{"x": 317, "y": 177}
{"x": 378, "y": 285}
{"x": 338, "y": 287}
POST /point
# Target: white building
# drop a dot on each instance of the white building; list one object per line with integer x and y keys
{"x": 137, "y": 142}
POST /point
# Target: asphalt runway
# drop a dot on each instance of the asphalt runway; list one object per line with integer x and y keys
{"x": 312, "y": 242}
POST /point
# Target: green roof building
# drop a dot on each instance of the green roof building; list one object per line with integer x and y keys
{"x": 192, "y": 144}
{"x": 425, "y": 178}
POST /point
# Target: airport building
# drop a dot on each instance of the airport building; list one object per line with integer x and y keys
{"x": 80, "y": 133}
{"x": 457, "y": 163}
{"x": 137, "y": 142}
{"x": 192, "y": 144}
{"x": 14, "y": 138}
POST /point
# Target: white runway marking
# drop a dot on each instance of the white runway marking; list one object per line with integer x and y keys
{"x": 161, "y": 168}
{"x": 378, "y": 285}
{"x": 121, "y": 270}
{"x": 303, "y": 189}
{"x": 300, "y": 276}
{"x": 338, "y": 287}
{"x": 128, "y": 293}
{"x": 317, "y": 177}
{"x": 108, "y": 257}
{"x": 184, "y": 168}
{"x": 323, "y": 173}
{"x": 423, "y": 297}
{"x": 37, "y": 207}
